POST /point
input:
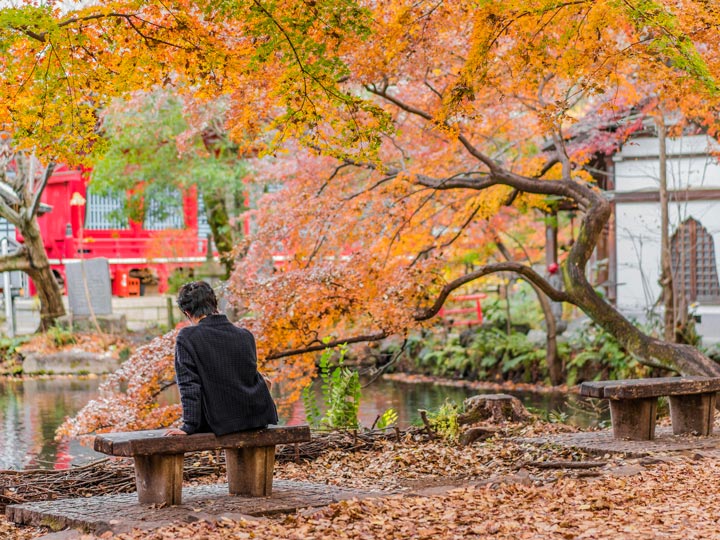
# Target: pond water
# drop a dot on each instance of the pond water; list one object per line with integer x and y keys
{"x": 31, "y": 410}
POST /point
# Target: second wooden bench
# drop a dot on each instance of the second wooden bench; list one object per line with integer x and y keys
{"x": 249, "y": 457}
{"x": 633, "y": 404}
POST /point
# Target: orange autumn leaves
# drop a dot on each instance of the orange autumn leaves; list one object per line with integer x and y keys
{"x": 370, "y": 111}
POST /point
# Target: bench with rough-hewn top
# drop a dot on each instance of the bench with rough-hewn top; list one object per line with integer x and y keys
{"x": 633, "y": 404}
{"x": 249, "y": 456}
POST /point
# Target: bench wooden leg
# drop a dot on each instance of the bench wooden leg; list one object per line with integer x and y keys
{"x": 159, "y": 478}
{"x": 250, "y": 470}
{"x": 633, "y": 419}
{"x": 693, "y": 413}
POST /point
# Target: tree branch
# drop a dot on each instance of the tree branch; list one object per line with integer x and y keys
{"x": 525, "y": 271}
{"x": 42, "y": 37}
{"x": 15, "y": 261}
{"x": 321, "y": 346}
{"x": 9, "y": 213}
{"x": 35, "y": 203}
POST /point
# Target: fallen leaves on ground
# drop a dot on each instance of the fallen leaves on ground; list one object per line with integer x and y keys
{"x": 669, "y": 500}
{"x": 9, "y": 531}
{"x": 502, "y": 494}
{"x": 397, "y": 465}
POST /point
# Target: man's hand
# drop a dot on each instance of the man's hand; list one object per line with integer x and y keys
{"x": 174, "y": 432}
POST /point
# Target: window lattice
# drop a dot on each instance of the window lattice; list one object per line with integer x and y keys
{"x": 693, "y": 261}
{"x": 105, "y": 211}
{"x": 164, "y": 210}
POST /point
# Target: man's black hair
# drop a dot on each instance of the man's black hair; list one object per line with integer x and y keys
{"x": 197, "y": 299}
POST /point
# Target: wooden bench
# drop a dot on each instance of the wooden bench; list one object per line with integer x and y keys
{"x": 633, "y": 404}
{"x": 249, "y": 456}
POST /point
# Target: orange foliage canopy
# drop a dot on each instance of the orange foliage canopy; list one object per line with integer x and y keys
{"x": 407, "y": 134}
{"x": 496, "y": 107}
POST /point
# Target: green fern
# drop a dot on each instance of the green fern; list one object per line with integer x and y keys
{"x": 387, "y": 419}
{"x": 341, "y": 393}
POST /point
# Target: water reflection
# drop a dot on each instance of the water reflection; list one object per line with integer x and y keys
{"x": 407, "y": 398}
{"x": 31, "y": 410}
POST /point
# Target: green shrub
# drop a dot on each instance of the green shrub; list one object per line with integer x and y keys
{"x": 341, "y": 394}
{"x": 444, "y": 421}
{"x": 9, "y": 346}
{"x": 590, "y": 344}
{"x": 61, "y": 337}
{"x": 525, "y": 309}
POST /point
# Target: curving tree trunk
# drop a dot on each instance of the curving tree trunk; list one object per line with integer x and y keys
{"x": 20, "y": 194}
{"x": 38, "y": 268}
{"x": 552, "y": 356}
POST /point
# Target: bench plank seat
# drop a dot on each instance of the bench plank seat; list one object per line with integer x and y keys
{"x": 633, "y": 404}
{"x": 249, "y": 456}
{"x": 155, "y": 441}
{"x": 649, "y": 388}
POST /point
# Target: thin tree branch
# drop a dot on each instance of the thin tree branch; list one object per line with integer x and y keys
{"x": 35, "y": 203}
{"x": 461, "y": 229}
{"x": 42, "y": 37}
{"x": 525, "y": 271}
{"x": 9, "y": 213}
{"x": 320, "y": 346}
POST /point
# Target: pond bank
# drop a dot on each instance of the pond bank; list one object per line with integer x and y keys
{"x": 505, "y": 386}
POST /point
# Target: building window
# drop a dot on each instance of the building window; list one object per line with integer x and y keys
{"x": 693, "y": 261}
{"x": 105, "y": 211}
{"x": 163, "y": 209}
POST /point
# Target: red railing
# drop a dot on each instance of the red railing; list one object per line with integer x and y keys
{"x": 476, "y": 310}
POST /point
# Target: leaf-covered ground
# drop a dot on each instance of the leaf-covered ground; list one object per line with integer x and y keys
{"x": 668, "y": 500}
{"x": 494, "y": 489}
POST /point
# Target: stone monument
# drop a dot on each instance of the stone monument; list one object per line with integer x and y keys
{"x": 90, "y": 297}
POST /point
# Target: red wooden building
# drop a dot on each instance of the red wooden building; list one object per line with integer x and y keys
{"x": 142, "y": 256}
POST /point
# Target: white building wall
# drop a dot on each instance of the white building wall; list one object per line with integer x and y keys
{"x": 638, "y": 246}
{"x": 638, "y": 223}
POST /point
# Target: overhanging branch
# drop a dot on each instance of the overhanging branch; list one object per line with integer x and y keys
{"x": 9, "y": 213}
{"x": 525, "y": 271}
{"x": 321, "y": 346}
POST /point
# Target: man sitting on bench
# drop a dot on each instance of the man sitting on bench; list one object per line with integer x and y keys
{"x": 221, "y": 390}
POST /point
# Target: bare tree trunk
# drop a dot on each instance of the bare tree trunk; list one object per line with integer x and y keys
{"x": 219, "y": 221}
{"x": 552, "y": 358}
{"x": 48, "y": 290}
{"x": 666, "y": 278}
{"x": 19, "y": 203}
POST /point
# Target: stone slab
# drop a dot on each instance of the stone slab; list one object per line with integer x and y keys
{"x": 110, "y": 324}
{"x": 122, "y": 512}
{"x": 75, "y": 362}
{"x": 602, "y": 442}
{"x": 88, "y": 285}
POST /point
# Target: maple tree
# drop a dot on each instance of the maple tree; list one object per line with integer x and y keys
{"x": 501, "y": 105}
{"x": 416, "y": 130}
